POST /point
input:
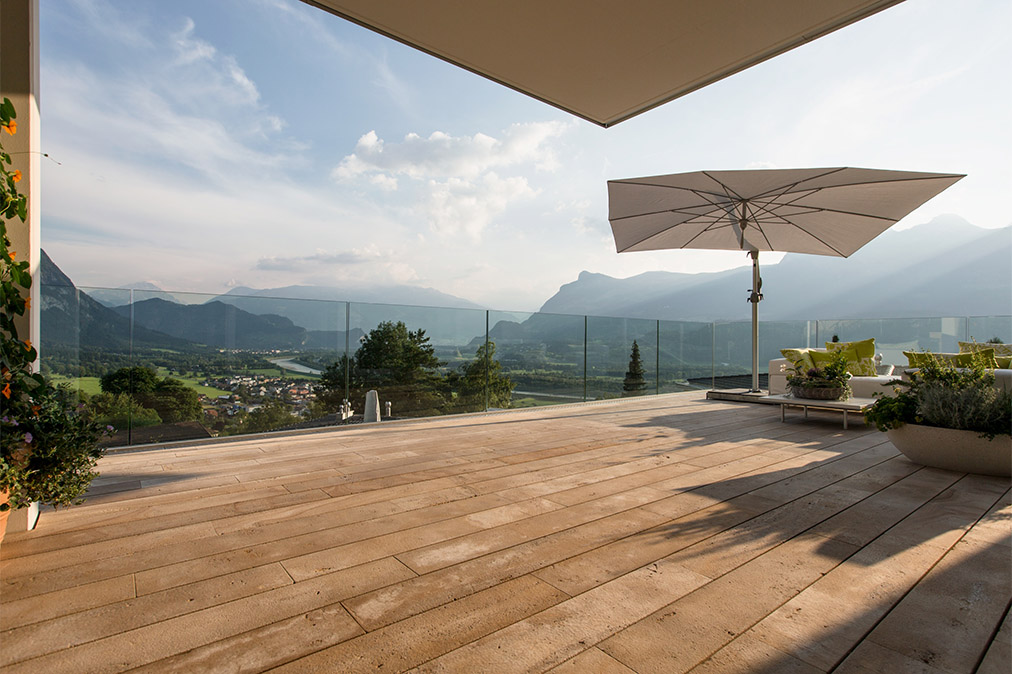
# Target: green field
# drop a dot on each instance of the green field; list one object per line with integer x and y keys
{"x": 195, "y": 384}
{"x": 91, "y": 386}
{"x": 287, "y": 374}
{"x": 87, "y": 385}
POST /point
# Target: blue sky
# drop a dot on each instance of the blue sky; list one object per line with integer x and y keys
{"x": 264, "y": 143}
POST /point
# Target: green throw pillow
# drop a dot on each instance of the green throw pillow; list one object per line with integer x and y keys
{"x": 918, "y": 358}
{"x": 860, "y": 356}
{"x": 801, "y": 358}
{"x": 854, "y": 364}
{"x": 822, "y": 358}
{"x": 1004, "y": 362}
{"x": 865, "y": 348}
{"x": 999, "y": 349}
{"x": 986, "y": 356}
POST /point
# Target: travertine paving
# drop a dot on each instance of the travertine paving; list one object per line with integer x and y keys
{"x": 662, "y": 534}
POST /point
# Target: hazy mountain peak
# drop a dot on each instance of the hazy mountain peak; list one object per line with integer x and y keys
{"x": 931, "y": 269}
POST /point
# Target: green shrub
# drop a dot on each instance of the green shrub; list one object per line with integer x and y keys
{"x": 940, "y": 394}
{"x": 48, "y": 446}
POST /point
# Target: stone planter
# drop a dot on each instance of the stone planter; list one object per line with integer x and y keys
{"x": 962, "y": 451}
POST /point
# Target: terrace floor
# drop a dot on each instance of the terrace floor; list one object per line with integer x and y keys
{"x": 661, "y": 534}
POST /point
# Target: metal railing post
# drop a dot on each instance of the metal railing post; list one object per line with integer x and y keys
{"x": 347, "y": 351}
{"x": 487, "y": 363}
{"x": 130, "y": 410}
{"x": 584, "y": 359}
{"x": 713, "y": 356}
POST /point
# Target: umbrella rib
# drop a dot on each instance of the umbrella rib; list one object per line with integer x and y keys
{"x": 861, "y": 182}
{"x": 755, "y": 219}
{"x": 798, "y": 228}
{"x": 680, "y": 188}
{"x": 665, "y": 210}
{"x": 786, "y": 189}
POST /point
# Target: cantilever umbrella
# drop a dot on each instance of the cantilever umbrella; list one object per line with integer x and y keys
{"x": 822, "y": 211}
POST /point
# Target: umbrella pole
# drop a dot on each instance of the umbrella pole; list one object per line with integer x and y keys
{"x": 754, "y": 297}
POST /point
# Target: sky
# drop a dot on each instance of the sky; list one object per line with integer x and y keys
{"x": 264, "y": 143}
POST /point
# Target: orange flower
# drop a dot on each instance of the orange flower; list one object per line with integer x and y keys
{"x": 28, "y": 303}
{"x": 12, "y": 254}
{"x": 11, "y": 127}
{"x": 16, "y": 175}
{"x": 28, "y": 345}
{"x": 7, "y": 391}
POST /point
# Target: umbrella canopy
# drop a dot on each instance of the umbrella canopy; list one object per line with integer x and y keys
{"x": 823, "y": 211}
{"x": 604, "y": 61}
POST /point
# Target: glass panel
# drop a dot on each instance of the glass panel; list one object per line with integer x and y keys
{"x": 686, "y": 356}
{"x": 200, "y": 366}
{"x": 82, "y": 339}
{"x": 987, "y": 328}
{"x": 609, "y": 356}
{"x": 543, "y": 355}
{"x": 733, "y": 349}
{"x": 424, "y": 361}
{"x": 893, "y": 336}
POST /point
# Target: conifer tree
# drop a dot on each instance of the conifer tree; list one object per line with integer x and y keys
{"x": 634, "y": 384}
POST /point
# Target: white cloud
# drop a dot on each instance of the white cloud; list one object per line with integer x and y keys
{"x": 463, "y": 191}
{"x": 457, "y": 206}
{"x": 384, "y": 181}
{"x": 441, "y": 155}
{"x": 190, "y": 49}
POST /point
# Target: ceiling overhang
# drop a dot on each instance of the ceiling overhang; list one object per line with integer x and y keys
{"x": 604, "y": 61}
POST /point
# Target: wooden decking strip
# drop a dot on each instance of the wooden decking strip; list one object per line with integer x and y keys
{"x": 661, "y": 534}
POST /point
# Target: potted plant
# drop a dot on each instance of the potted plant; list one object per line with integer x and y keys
{"x": 825, "y": 382}
{"x": 949, "y": 417}
{"x": 48, "y": 447}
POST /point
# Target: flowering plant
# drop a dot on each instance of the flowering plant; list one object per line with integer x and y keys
{"x": 832, "y": 375}
{"x": 48, "y": 447}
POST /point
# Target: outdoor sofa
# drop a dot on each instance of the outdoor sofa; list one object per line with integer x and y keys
{"x": 868, "y": 375}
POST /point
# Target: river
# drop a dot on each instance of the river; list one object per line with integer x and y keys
{"x": 289, "y": 364}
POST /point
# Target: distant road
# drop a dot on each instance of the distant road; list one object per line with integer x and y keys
{"x": 289, "y": 364}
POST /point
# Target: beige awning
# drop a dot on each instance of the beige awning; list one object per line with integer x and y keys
{"x": 604, "y": 61}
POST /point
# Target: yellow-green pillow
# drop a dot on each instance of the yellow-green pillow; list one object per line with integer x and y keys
{"x": 918, "y": 358}
{"x": 999, "y": 349}
{"x": 860, "y": 356}
{"x": 822, "y": 358}
{"x": 865, "y": 348}
{"x": 986, "y": 356}
{"x": 800, "y": 358}
{"x": 1004, "y": 362}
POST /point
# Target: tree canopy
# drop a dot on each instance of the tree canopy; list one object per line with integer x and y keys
{"x": 402, "y": 366}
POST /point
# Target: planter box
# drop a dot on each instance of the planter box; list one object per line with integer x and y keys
{"x": 962, "y": 451}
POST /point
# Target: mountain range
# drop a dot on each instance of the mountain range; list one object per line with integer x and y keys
{"x": 946, "y": 267}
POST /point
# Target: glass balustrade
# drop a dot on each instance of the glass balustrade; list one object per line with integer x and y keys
{"x": 160, "y": 366}
{"x": 686, "y": 356}
{"x": 610, "y": 355}
{"x": 543, "y": 355}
